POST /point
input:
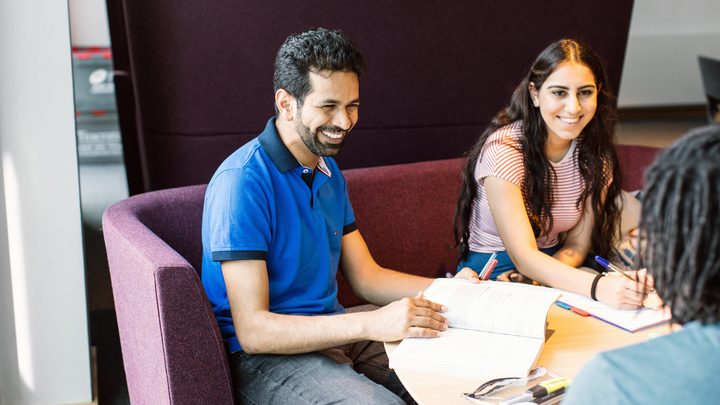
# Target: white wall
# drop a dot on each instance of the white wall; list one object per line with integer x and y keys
{"x": 44, "y": 348}
{"x": 88, "y": 19}
{"x": 661, "y": 67}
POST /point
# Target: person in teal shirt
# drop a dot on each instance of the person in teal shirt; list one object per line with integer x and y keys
{"x": 680, "y": 246}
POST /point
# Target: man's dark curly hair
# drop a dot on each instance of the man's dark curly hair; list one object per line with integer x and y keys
{"x": 314, "y": 51}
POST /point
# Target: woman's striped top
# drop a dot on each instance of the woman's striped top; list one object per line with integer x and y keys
{"x": 501, "y": 157}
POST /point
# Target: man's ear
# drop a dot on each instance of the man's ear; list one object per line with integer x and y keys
{"x": 285, "y": 104}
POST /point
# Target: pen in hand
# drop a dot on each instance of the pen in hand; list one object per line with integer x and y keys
{"x": 605, "y": 263}
{"x": 610, "y": 266}
{"x": 648, "y": 304}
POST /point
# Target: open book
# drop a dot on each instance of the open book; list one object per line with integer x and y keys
{"x": 496, "y": 330}
{"x": 631, "y": 320}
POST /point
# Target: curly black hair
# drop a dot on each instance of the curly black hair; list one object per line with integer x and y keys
{"x": 680, "y": 226}
{"x": 314, "y": 51}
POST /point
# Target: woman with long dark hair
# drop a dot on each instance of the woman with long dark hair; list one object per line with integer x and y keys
{"x": 680, "y": 230}
{"x": 541, "y": 187}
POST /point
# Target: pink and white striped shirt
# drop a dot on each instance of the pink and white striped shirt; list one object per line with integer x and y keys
{"x": 501, "y": 157}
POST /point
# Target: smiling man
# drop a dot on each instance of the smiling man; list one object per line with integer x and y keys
{"x": 277, "y": 222}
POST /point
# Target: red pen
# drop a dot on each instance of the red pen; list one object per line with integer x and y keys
{"x": 488, "y": 269}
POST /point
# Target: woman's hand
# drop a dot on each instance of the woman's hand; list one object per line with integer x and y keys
{"x": 515, "y": 276}
{"x": 622, "y": 292}
{"x": 643, "y": 278}
{"x": 468, "y": 274}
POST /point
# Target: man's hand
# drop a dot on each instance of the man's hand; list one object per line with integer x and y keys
{"x": 408, "y": 317}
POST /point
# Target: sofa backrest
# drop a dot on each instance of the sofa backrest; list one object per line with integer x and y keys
{"x": 634, "y": 159}
{"x": 195, "y": 77}
{"x": 406, "y": 210}
{"x": 405, "y": 214}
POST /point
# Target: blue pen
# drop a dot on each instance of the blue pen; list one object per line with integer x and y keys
{"x": 610, "y": 266}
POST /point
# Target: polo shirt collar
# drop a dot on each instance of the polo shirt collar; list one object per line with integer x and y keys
{"x": 323, "y": 167}
{"x": 275, "y": 148}
{"x": 279, "y": 153}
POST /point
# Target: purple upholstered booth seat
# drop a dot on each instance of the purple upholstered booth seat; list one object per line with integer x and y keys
{"x": 171, "y": 345}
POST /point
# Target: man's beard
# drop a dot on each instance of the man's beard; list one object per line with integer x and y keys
{"x": 313, "y": 142}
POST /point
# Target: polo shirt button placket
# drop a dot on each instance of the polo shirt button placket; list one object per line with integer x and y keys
{"x": 305, "y": 173}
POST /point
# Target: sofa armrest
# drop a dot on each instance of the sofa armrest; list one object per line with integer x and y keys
{"x": 171, "y": 345}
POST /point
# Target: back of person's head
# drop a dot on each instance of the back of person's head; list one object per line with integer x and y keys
{"x": 680, "y": 226}
{"x": 314, "y": 51}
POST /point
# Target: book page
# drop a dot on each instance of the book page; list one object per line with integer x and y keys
{"x": 629, "y": 319}
{"x": 498, "y": 307}
{"x": 469, "y": 353}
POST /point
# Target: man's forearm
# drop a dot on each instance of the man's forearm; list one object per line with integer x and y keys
{"x": 268, "y": 332}
{"x": 385, "y": 286}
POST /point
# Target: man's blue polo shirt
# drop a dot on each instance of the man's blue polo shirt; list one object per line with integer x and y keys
{"x": 262, "y": 204}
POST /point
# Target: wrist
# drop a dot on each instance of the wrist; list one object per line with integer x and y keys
{"x": 362, "y": 325}
{"x": 593, "y": 286}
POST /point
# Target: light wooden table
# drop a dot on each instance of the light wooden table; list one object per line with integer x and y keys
{"x": 574, "y": 341}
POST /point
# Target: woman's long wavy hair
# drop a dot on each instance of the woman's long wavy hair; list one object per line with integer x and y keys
{"x": 595, "y": 148}
{"x": 680, "y": 224}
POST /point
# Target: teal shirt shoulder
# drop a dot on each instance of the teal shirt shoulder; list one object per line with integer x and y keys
{"x": 678, "y": 368}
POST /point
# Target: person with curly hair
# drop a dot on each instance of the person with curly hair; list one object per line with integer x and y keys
{"x": 680, "y": 246}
